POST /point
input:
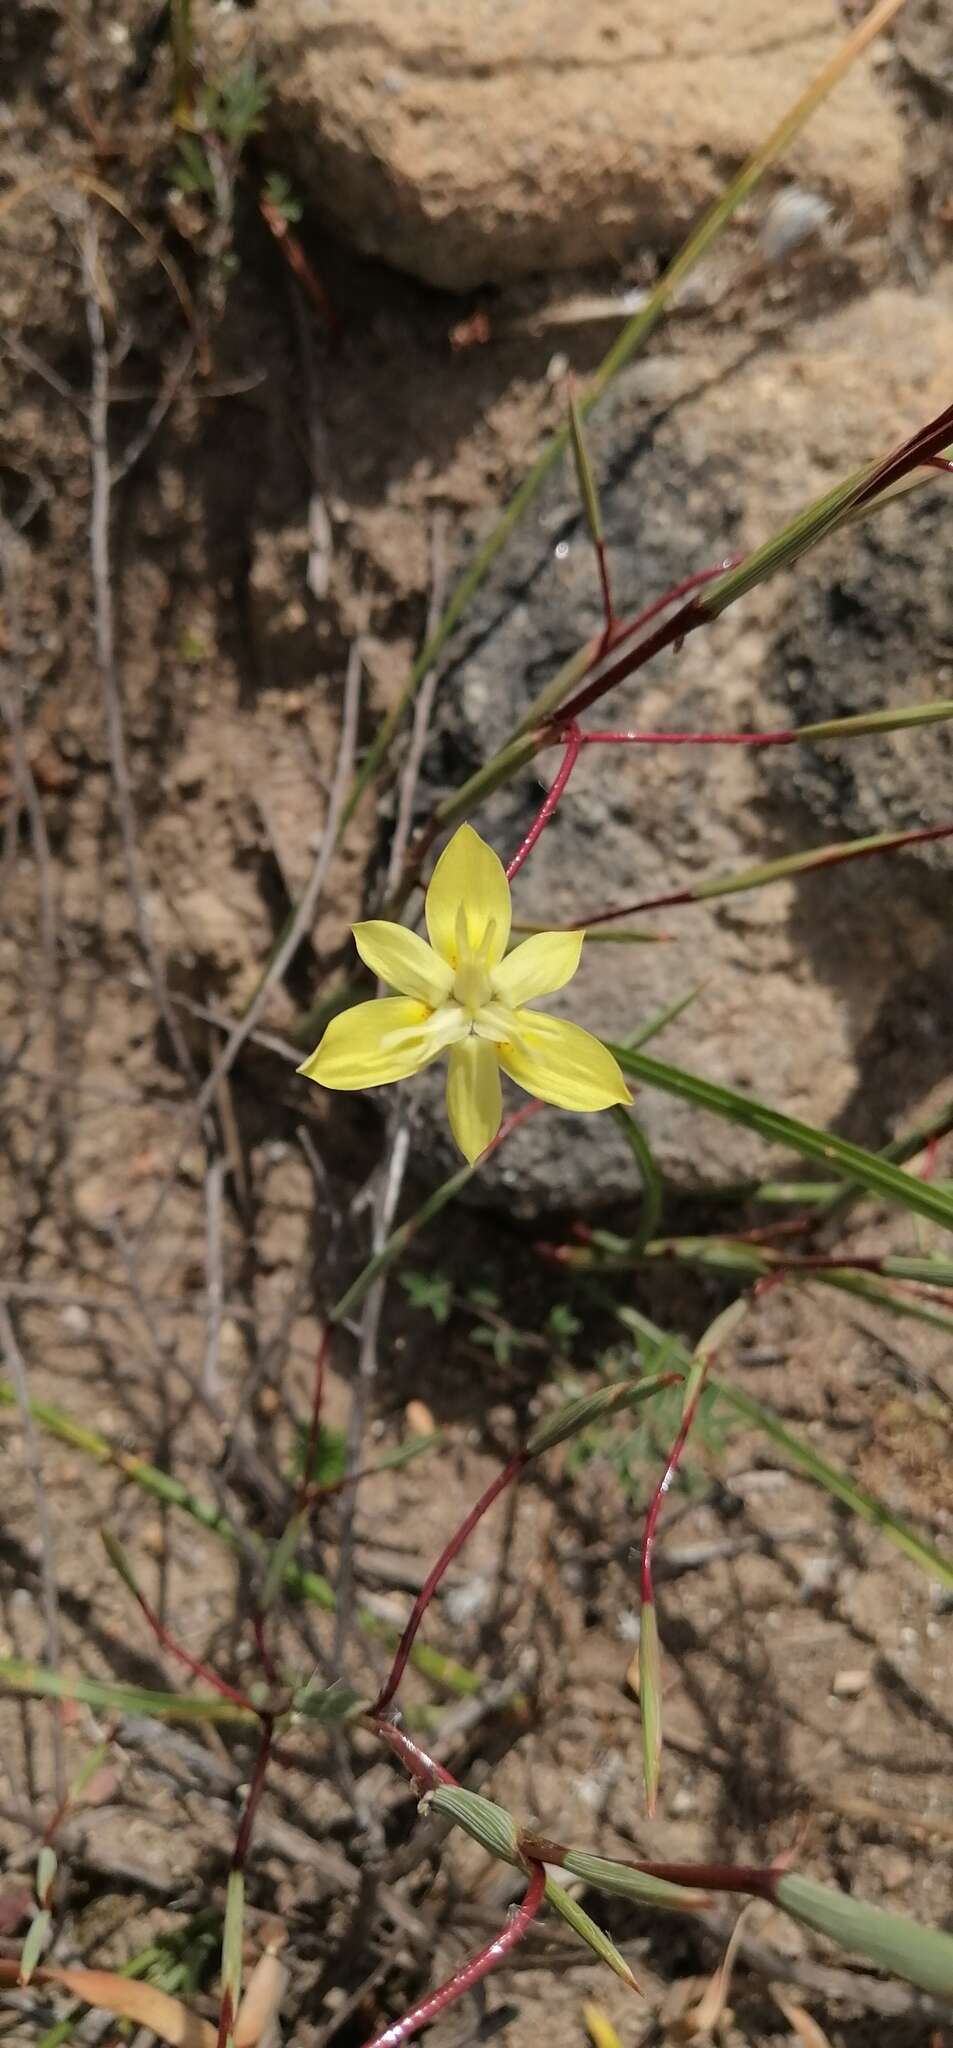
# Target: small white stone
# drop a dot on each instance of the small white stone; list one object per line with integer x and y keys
{"x": 847, "y": 1685}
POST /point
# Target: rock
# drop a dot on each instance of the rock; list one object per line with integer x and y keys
{"x": 924, "y": 35}
{"x": 850, "y": 1683}
{"x": 804, "y": 988}
{"x": 469, "y": 145}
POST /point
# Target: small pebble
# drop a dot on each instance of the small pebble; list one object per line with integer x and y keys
{"x": 848, "y": 1685}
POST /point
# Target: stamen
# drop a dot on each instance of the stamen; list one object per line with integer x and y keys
{"x": 487, "y": 941}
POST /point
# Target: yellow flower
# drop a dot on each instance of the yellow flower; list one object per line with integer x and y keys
{"x": 460, "y": 995}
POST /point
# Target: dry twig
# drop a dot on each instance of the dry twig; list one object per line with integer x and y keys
{"x": 16, "y": 1367}
{"x": 104, "y": 623}
{"x": 422, "y": 710}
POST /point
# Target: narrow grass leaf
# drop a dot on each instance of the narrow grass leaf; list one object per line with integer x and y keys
{"x": 594, "y": 1407}
{"x": 767, "y": 872}
{"x": 589, "y": 1931}
{"x": 653, "y": 1193}
{"x": 839, "y": 1483}
{"x": 863, "y": 723}
{"x": 868, "y": 1169}
{"x": 655, "y": 1025}
{"x": 35, "y": 1941}
{"x": 921, "y": 1955}
{"x": 45, "y": 1874}
{"x": 584, "y": 476}
{"x": 626, "y": 1883}
{"x": 232, "y": 1933}
{"x": 867, "y": 1287}
{"x": 19, "y": 1677}
{"x": 832, "y": 1477}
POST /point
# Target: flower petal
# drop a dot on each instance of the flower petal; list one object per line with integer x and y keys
{"x": 404, "y": 960}
{"x": 561, "y": 1063}
{"x": 474, "y": 1096}
{"x": 538, "y": 967}
{"x": 469, "y": 875}
{"x": 382, "y": 1041}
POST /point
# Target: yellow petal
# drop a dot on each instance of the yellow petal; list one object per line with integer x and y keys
{"x": 469, "y": 876}
{"x": 404, "y": 961}
{"x": 474, "y": 1096}
{"x": 383, "y": 1041}
{"x": 561, "y": 1063}
{"x": 538, "y": 967}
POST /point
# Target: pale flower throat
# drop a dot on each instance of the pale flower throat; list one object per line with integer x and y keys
{"x": 472, "y": 985}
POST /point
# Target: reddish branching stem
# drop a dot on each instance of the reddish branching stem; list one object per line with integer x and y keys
{"x": 605, "y": 590}
{"x": 550, "y": 802}
{"x": 184, "y": 1656}
{"x": 671, "y": 631}
{"x": 917, "y": 450}
{"x": 451, "y": 1550}
{"x": 664, "y": 603}
{"x": 225, "y": 2019}
{"x": 427, "y": 1774}
{"x": 655, "y": 1505}
{"x": 471, "y": 1972}
{"x": 826, "y": 858}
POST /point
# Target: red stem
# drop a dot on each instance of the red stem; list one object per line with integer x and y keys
{"x": 917, "y": 450}
{"x": 823, "y": 860}
{"x": 470, "y": 1973}
{"x": 715, "y": 1877}
{"x": 647, "y": 1590}
{"x": 549, "y": 804}
{"x": 193, "y": 1664}
{"x": 225, "y": 2017}
{"x": 497, "y": 1486}
{"x": 671, "y": 630}
{"x": 424, "y": 1769}
{"x": 608, "y": 609}
{"x": 669, "y": 597}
